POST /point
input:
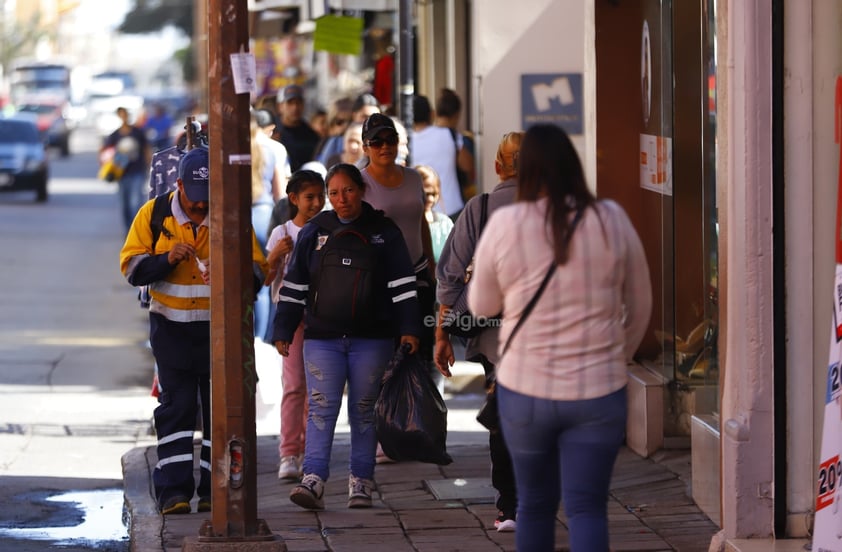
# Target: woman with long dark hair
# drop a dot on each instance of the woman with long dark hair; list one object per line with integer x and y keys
{"x": 570, "y": 275}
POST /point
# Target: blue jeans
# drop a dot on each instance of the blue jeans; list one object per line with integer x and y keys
{"x": 562, "y": 449}
{"x": 261, "y": 214}
{"x": 328, "y": 365}
{"x": 133, "y": 191}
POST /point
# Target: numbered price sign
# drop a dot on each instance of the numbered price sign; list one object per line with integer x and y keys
{"x": 829, "y": 472}
{"x": 827, "y": 533}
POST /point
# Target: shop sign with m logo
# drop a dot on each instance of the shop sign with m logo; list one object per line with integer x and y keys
{"x": 554, "y": 98}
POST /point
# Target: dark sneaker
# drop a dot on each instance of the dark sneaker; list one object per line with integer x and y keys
{"x": 359, "y": 492}
{"x": 308, "y": 494}
{"x": 204, "y": 504}
{"x": 176, "y": 505}
{"x": 505, "y": 523}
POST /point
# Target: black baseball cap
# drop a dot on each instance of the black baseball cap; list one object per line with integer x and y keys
{"x": 375, "y": 123}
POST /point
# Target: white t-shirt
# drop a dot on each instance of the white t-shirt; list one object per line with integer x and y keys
{"x": 281, "y": 231}
{"x": 435, "y": 146}
{"x": 279, "y": 151}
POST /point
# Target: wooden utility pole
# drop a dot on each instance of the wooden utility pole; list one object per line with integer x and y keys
{"x": 234, "y": 523}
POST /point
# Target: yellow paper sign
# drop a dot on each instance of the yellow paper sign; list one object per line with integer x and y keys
{"x": 338, "y": 34}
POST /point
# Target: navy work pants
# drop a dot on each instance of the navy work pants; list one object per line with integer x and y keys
{"x": 182, "y": 352}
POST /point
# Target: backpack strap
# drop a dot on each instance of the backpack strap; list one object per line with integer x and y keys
{"x": 483, "y": 214}
{"x": 160, "y": 210}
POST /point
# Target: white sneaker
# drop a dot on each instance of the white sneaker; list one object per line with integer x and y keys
{"x": 505, "y": 523}
{"x": 290, "y": 469}
{"x": 359, "y": 492}
{"x": 308, "y": 494}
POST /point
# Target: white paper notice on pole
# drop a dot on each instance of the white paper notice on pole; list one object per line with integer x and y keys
{"x": 827, "y": 532}
{"x": 244, "y": 70}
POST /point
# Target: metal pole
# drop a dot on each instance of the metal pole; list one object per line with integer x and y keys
{"x": 233, "y": 372}
{"x": 406, "y": 65}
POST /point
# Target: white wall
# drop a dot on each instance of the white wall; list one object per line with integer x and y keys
{"x": 801, "y": 308}
{"x": 511, "y": 39}
{"x": 744, "y": 177}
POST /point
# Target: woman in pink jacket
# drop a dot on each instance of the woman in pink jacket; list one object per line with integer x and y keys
{"x": 563, "y": 369}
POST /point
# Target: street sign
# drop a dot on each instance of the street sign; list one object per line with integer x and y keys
{"x": 554, "y": 98}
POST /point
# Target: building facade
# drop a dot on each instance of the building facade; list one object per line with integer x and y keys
{"x": 714, "y": 123}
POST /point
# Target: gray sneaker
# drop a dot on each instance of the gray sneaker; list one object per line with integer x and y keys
{"x": 308, "y": 494}
{"x": 359, "y": 492}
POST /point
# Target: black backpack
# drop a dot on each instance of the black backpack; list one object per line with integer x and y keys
{"x": 343, "y": 287}
{"x": 160, "y": 210}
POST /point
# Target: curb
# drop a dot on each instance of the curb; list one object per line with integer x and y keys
{"x": 144, "y": 523}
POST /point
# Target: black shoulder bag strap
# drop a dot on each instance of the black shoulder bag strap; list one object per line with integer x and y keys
{"x": 531, "y": 305}
{"x": 160, "y": 210}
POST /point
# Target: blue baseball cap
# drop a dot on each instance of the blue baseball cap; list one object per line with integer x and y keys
{"x": 194, "y": 174}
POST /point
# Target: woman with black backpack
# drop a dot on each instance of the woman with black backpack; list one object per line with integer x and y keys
{"x": 351, "y": 279}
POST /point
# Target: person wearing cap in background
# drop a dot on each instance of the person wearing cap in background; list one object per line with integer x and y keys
{"x": 176, "y": 269}
{"x": 294, "y": 132}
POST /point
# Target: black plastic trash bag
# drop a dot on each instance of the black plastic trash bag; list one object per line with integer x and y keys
{"x": 411, "y": 417}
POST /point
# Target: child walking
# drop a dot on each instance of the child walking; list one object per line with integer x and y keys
{"x": 306, "y": 192}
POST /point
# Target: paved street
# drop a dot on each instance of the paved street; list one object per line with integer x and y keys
{"x": 74, "y": 367}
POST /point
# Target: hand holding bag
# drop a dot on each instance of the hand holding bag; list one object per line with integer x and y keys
{"x": 410, "y": 414}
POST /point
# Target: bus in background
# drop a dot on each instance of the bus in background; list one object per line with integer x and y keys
{"x": 31, "y": 81}
{"x": 42, "y": 92}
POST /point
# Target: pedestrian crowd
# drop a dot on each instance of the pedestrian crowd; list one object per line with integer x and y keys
{"x": 368, "y": 241}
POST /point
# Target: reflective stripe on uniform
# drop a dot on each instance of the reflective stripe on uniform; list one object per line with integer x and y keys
{"x": 401, "y": 282}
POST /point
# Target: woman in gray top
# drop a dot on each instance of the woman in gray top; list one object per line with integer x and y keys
{"x": 398, "y": 191}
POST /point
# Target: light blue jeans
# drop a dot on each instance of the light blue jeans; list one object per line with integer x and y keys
{"x": 328, "y": 365}
{"x": 261, "y": 215}
{"x": 562, "y": 449}
{"x": 132, "y": 189}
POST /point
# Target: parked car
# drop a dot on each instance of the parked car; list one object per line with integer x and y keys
{"x": 23, "y": 157}
{"x": 51, "y": 122}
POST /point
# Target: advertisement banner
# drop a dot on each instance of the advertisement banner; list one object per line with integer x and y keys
{"x": 827, "y": 532}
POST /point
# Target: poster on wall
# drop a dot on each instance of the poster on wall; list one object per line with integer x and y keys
{"x": 655, "y": 142}
{"x": 656, "y": 163}
{"x": 827, "y": 532}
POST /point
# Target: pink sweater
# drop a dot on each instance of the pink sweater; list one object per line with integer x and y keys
{"x": 591, "y": 317}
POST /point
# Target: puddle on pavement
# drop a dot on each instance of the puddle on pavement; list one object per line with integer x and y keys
{"x": 102, "y": 527}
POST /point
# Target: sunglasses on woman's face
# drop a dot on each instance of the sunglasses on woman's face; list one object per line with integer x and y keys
{"x": 379, "y": 141}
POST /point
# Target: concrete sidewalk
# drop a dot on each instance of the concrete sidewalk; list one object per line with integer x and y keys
{"x": 424, "y": 507}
